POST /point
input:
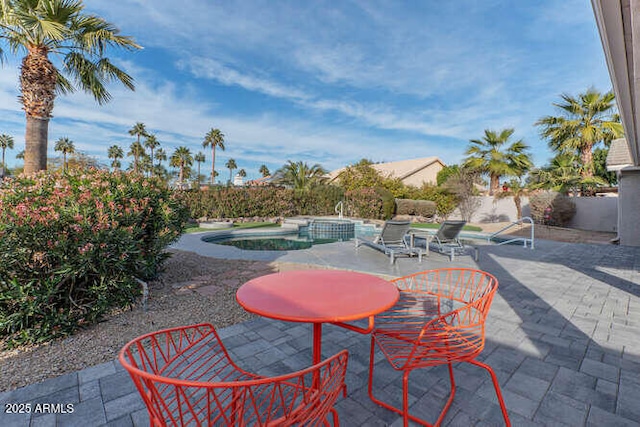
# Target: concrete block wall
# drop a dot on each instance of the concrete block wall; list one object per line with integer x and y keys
{"x": 592, "y": 213}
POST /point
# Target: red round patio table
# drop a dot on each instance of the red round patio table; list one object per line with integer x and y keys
{"x": 318, "y": 296}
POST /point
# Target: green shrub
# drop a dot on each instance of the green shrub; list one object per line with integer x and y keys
{"x": 425, "y": 208}
{"x": 405, "y": 207}
{"x": 445, "y": 202}
{"x": 388, "y": 202}
{"x": 73, "y": 244}
{"x": 552, "y": 208}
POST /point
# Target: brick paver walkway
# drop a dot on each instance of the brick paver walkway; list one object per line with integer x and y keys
{"x": 562, "y": 334}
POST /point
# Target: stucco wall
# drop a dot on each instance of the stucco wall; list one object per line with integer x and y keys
{"x": 592, "y": 213}
{"x": 629, "y": 225}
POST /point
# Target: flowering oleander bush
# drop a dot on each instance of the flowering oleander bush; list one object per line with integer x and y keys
{"x": 552, "y": 208}
{"x": 73, "y": 244}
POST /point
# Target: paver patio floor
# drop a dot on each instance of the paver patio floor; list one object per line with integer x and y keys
{"x": 562, "y": 335}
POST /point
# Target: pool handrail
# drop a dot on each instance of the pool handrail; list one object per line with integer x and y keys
{"x": 523, "y": 239}
{"x": 338, "y": 209}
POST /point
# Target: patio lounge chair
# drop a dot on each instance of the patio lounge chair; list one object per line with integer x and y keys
{"x": 393, "y": 240}
{"x": 447, "y": 238}
{"x": 186, "y": 377}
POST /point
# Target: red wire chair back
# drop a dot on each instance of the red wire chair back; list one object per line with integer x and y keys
{"x": 439, "y": 317}
{"x": 186, "y": 377}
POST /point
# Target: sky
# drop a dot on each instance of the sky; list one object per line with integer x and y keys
{"x": 328, "y": 82}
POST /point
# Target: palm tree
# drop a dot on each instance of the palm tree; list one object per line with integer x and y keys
{"x": 264, "y": 170}
{"x": 151, "y": 142}
{"x": 300, "y": 176}
{"x": 586, "y": 120}
{"x": 564, "y": 174}
{"x": 242, "y": 173}
{"x": 136, "y": 150}
{"x": 516, "y": 189}
{"x": 181, "y": 158}
{"x": 160, "y": 156}
{"x": 231, "y": 165}
{"x": 6, "y": 141}
{"x": 488, "y": 156}
{"x": 59, "y": 27}
{"x": 213, "y": 138}
{"x": 20, "y": 155}
{"x": 65, "y": 146}
{"x": 138, "y": 130}
{"x": 200, "y": 159}
{"x": 115, "y": 153}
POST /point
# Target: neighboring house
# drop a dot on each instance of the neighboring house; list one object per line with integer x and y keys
{"x": 411, "y": 172}
{"x": 619, "y": 156}
{"x": 262, "y": 181}
{"x": 238, "y": 181}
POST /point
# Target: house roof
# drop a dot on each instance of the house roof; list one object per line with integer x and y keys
{"x": 401, "y": 169}
{"x": 619, "y": 155}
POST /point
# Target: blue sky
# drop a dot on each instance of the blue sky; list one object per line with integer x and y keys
{"x": 329, "y": 82}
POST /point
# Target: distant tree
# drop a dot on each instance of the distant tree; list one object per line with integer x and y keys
{"x": 600, "y": 167}
{"x": 563, "y": 174}
{"x": 136, "y": 150}
{"x": 80, "y": 40}
{"x": 6, "y": 141}
{"x": 115, "y": 153}
{"x": 200, "y": 159}
{"x": 300, "y": 176}
{"x": 151, "y": 142}
{"x": 65, "y": 146}
{"x": 496, "y": 156}
{"x": 242, "y": 173}
{"x": 161, "y": 156}
{"x": 462, "y": 185}
{"x": 264, "y": 171}
{"x": 20, "y": 155}
{"x": 214, "y": 138}
{"x": 231, "y": 165}
{"x": 445, "y": 173}
{"x": 181, "y": 158}
{"x": 586, "y": 120}
{"x": 517, "y": 190}
{"x": 138, "y": 130}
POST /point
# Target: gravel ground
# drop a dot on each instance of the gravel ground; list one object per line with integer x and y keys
{"x": 191, "y": 289}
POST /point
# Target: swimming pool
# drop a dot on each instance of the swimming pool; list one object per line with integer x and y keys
{"x": 304, "y": 236}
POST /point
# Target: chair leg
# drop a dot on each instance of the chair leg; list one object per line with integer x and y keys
{"x": 405, "y": 391}
{"x": 496, "y": 385}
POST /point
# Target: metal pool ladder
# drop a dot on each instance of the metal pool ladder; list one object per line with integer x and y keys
{"x": 524, "y": 240}
{"x": 338, "y": 209}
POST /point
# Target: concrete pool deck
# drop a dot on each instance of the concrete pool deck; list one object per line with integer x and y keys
{"x": 562, "y": 334}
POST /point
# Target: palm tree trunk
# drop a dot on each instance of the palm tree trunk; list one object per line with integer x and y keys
{"x": 494, "y": 185}
{"x": 2, "y": 167}
{"x": 213, "y": 165}
{"x": 586, "y": 155}
{"x": 35, "y": 150}
{"x": 198, "y": 174}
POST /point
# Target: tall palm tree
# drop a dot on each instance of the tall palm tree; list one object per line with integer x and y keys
{"x": 160, "y": 156}
{"x": 264, "y": 171}
{"x": 200, "y": 159}
{"x": 213, "y": 138}
{"x": 151, "y": 142}
{"x": 138, "y": 130}
{"x": 181, "y": 158}
{"x": 300, "y": 176}
{"x": 115, "y": 153}
{"x": 6, "y": 141}
{"x": 586, "y": 120}
{"x": 38, "y": 28}
{"x": 242, "y": 173}
{"x": 231, "y": 165}
{"x": 496, "y": 156}
{"x": 65, "y": 146}
{"x": 136, "y": 150}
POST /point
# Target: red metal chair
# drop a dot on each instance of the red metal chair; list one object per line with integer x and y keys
{"x": 186, "y": 377}
{"x": 439, "y": 319}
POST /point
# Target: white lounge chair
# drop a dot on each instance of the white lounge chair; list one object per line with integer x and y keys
{"x": 393, "y": 240}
